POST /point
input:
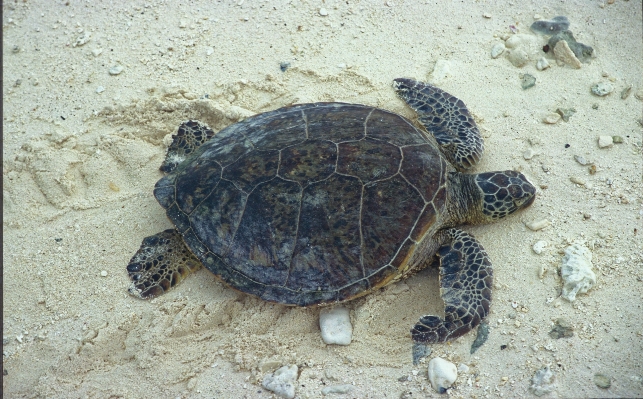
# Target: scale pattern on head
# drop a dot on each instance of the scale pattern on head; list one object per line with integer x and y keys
{"x": 504, "y": 193}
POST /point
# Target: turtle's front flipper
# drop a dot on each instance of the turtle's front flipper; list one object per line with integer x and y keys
{"x": 466, "y": 277}
{"x": 190, "y": 136}
{"x": 447, "y": 119}
{"x": 162, "y": 262}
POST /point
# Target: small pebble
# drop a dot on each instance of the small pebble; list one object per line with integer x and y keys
{"x": 518, "y": 57}
{"x": 626, "y": 92}
{"x": 82, "y": 40}
{"x": 617, "y": 139}
{"x": 100, "y": 89}
{"x": 543, "y": 382}
{"x": 551, "y": 27}
{"x": 562, "y": 329}
{"x": 497, "y": 50}
{"x": 486, "y": 15}
{"x": 284, "y": 66}
{"x": 463, "y": 368}
{"x": 564, "y": 53}
{"x": 605, "y": 141}
{"x": 538, "y": 224}
{"x": 282, "y": 382}
{"x": 323, "y": 12}
{"x": 576, "y": 271}
{"x": 602, "y": 89}
{"x": 115, "y": 70}
{"x": 552, "y": 118}
{"x": 602, "y": 381}
{"x": 97, "y": 51}
{"x": 103, "y": 273}
{"x": 542, "y": 64}
{"x": 527, "y": 81}
{"x": 481, "y": 338}
{"x": 15, "y": 49}
{"x": 580, "y": 51}
{"x": 566, "y": 113}
{"x": 340, "y": 389}
{"x": 442, "y": 374}
{"x": 335, "y": 325}
{"x": 539, "y": 246}
{"x": 577, "y": 180}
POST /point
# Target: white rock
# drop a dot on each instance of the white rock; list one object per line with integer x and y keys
{"x": 82, "y": 40}
{"x": 497, "y": 50}
{"x": 552, "y": 118}
{"x": 539, "y": 246}
{"x": 323, "y": 12}
{"x": 602, "y": 89}
{"x": 282, "y": 381}
{"x": 116, "y": 70}
{"x": 542, "y": 64}
{"x": 576, "y": 271}
{"x": 530, "y": 43}
{"x": 543, "y": 382}
{"x": 518, "y": 57}
{"x": 564, "y": 54}
{"x": 538, "y": 224}
{"x": 605, "y": 141}
{"x": 442, "y": 374}
{"x": 335, "y": 325}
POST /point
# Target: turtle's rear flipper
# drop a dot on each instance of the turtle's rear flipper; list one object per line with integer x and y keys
{"x": 447, "y": 119}
{"x": 162, "y": 262}
{"x": 466, "y": 277}
{"x": 190, "y": 136}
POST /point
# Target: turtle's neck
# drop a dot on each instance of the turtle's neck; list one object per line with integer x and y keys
{"x": 464, "y": 199}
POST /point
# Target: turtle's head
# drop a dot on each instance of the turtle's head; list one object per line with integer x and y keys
{"x": 502, "y": 193}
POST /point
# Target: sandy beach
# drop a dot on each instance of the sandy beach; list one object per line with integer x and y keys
{"x": 92, "y": 93}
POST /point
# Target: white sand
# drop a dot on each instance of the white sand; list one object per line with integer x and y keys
{"x": 78, "y": 194}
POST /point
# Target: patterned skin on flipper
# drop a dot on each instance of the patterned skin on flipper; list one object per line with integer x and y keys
{"x": 466, "y": 278}
{"x": 447, "y": 119}
{"x": 191, "y": 134}
{"x": 162, "y": 262}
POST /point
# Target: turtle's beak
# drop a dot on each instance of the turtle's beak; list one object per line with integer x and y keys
{"x": 528, "y": 195}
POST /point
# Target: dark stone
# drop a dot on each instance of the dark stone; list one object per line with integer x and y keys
{"x": 562, "y": 329}
{"x": 481, "y": 338}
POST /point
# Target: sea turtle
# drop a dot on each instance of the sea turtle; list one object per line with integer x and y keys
{"x": 314, "y": 204}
